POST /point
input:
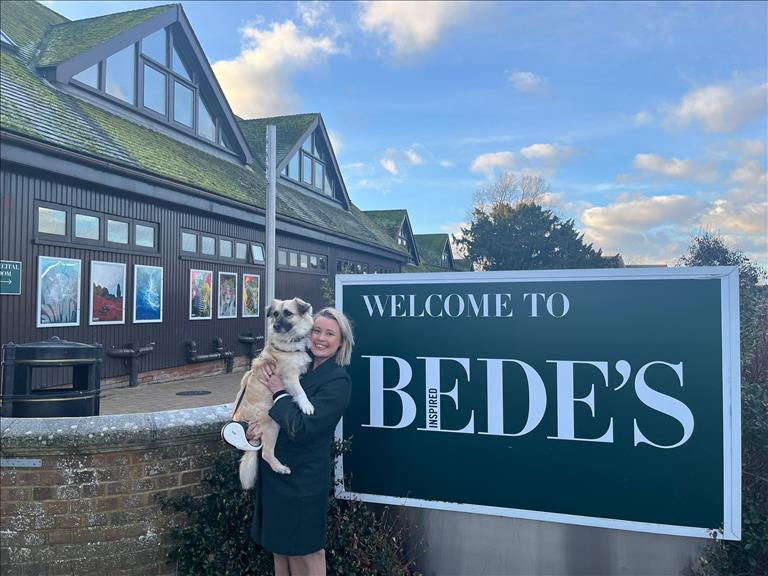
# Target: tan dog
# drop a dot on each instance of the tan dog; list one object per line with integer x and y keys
{"x": 289, "y": 324}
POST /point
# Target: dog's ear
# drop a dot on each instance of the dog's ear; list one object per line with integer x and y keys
{"x": 271, "y": 308}
{"x": 303, "y": 307}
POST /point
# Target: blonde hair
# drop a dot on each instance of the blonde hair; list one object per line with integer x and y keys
{"x": 344, "y": 353}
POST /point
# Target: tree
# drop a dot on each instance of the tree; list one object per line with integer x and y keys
{"x": 525, "y": 236}
{"x": 749, "y": 556}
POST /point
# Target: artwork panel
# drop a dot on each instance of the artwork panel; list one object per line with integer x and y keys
{"x": 147, "y": 294}
{"x": 251, "y": 301}
{"x": 227, "y": 295}
{"x": 107, "y": 296}
{"x": 58, "y": 291}
{"x": 200, "y": 294}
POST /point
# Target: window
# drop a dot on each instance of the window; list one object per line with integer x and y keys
{"x": 166, "y": 86}
{"x": 318, "y": 180}
{"x": 87, "y": 227}
{"x": 117, "y": 231}
{"x": 144, "y": 236}
{"x": 179, "y": 67}
{"x": 206, "y": 126}
{"x": 225, "y": 248}
{"x": 208, "y": 246}
{"x": 121, "y": 75}
{"x": 350, "y": 267}
{"x": 155, "y": 86}
{"x": 257, "y": 253}
{"x": 89, "y": 76}
{"x": 155, "y": 46}
{"x": 241, "y": 250}
{"x": 308, "y": 165}
{"x": 303, "y": 261}
{"x": 182, "y": 104}
{"x": 189, "y": 242}
{"x": 306, "y": 170}
{"x": 293, "y": 167}
{"x": 51, "y": 221}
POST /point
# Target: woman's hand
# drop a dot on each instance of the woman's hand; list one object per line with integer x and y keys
{"x": 253, "y": 434}
{"x": 271, "y": 379}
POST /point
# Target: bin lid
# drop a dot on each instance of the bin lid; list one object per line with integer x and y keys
{"x": 55, "y": 349}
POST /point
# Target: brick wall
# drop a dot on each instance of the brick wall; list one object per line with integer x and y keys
{"x": 92, "y": 506}
{"x": 201, "y": 369}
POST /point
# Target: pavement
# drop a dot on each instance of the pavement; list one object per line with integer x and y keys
{"x": 192, "y": 393}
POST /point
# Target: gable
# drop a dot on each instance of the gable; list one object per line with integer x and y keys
{"x": 397, "y": 225}
{"x": 148, "y": 61}
{"x": 435, "y": 250}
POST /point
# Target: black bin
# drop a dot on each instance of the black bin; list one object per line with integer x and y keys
{"x": 78, "y": 398}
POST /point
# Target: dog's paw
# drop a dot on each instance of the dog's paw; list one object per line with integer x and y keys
{"x": 306, "y": 406}
{"x": 283, "y": 470}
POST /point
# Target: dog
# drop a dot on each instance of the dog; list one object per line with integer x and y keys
{"x": 289, "y": 323}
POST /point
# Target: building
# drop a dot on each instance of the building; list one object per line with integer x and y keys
{"x": 397, "y": 225}
{"x": 133, "y": 199}
{"x": 435, "y": 252}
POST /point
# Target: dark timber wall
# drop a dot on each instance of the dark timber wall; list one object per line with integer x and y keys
{"x": 23, "y": 189}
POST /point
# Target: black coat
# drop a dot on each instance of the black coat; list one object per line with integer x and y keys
{"x": 290, "y": 511}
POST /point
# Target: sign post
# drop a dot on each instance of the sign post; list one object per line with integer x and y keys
{"x": 604, "y": 398}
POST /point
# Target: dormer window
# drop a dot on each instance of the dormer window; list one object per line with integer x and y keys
{"x": 309, "y": 166}
{"x": 154, "y": 77}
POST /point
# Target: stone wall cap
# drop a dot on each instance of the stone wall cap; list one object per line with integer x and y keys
{"x": 108, "y": 433}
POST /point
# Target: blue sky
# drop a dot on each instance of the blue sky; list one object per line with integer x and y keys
{"x": 648, "y": 120}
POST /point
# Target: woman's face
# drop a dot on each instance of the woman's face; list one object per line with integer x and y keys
{"x": 325, "y": 339}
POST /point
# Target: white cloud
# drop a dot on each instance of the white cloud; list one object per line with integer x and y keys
{"x": 526, "y": 81}
{"x": 743, "y": 209}
{"x": 257, "y": 82}
{"x": 675, "y": 168}
{"x": 487, "y": 163}
{"x": 719, "y": 107}
{"x": 746, "y": 147}
{"x": 353, "y": 166}
{"x": 413, "y": 157}
{"x": 312, "y": 13}
{"x": 551, "y": 155}
{"x": 643, "y": 118}
{"x": 447, "y": 164}
{"x": 412, "y": 27}
{"x": 389, "y": 165}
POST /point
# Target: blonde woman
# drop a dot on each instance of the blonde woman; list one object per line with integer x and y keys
{"x": 290, "y": 511}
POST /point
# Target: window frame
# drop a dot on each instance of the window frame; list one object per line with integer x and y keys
{"x": 102, "y": 230}
{"x": 67, "y": 221}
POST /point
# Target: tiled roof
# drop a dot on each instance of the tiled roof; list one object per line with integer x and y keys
{"x": 32, "y": 107}
{"x": 26, "y": 23}
{"x": 388, "y": 220}
{"x": 289, "y": 130}
{"x": 67, "y": 40}
{"x": 431, "y": 247}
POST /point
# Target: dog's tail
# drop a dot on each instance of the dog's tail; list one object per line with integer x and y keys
{"x": 249, "y": 467}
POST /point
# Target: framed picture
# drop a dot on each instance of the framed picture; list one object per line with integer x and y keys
{"x": 251, "y": 295}
{"x": 200, "y": 293}
{"x": 107, "y": 303}
{"x": 58, "y": 292}
{"x": 227, "y": 300}
{"x": 147, "y": 294}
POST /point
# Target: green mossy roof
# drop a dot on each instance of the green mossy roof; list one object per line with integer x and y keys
{"x": 388, "y": 220}
{"x": 26, "y": 22}
{"x": 431, "y": 247}
{"x": 67, "y": 40}
{"x": 289, "y": 130}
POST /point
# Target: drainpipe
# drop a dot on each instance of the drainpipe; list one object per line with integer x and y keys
{"x": 253, "y": 344}
{"x": 130, "y": 355}
{"x": 220, "y": 354}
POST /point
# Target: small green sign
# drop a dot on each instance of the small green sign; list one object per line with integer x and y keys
{"x": 10, "y": 277}
{"x": 605, "y": 398}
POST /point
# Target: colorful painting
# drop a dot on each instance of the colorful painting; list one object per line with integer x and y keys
{"x": 107, "y": 297}
{"x": 147, "y": 294}
{"x": 227, "y": 295}
{"x": 200, "y": 292}
{"x": 58, "y": 292}
{"x": 250, "y": 295}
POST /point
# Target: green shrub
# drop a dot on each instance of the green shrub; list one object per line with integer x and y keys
{"x": 215, "y": 540}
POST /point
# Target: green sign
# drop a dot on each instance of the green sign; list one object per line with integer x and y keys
{"x": 597, "y": 397}
{"x": 10, "y": 277}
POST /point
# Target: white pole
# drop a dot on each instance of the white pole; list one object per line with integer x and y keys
{"x": 271, "y": 169}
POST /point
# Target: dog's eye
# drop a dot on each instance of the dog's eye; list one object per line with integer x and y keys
{"x": 288, "y": 313}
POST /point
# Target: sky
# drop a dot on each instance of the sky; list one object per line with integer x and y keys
{"x": 648, "y": 120}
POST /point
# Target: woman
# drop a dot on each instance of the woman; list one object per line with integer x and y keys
{"x": 290, "y": 511}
